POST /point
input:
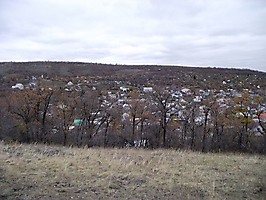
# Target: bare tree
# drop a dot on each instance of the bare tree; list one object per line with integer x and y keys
{"x": 163, "y": 100}
{"x": 23, "y": 104}
{"x": 43, "y": 103}
{"x": 243, "y": 112}
{"x": 64, "y": 112}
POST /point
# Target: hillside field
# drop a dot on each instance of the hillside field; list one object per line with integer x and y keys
{"x": 36, "y": 171}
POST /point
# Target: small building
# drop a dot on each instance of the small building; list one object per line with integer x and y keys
{"x": 186, "y": 91}
{"x": 124, "y": 89}
{"x": 147, "y": 89}
{"x": 121, "y": 101}
{"x": 18, "y": 86}
{"x": 263, "y": 117}
{"x": 77, "y": 122}
{"x": 70, "y": 83}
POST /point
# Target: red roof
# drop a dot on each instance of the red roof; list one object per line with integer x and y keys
{"x": 263, "y": 116}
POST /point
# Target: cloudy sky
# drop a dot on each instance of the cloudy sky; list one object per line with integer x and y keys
{"x": 228, "y": 33}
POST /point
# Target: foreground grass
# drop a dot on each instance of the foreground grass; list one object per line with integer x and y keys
{"x": 50, "y": 172}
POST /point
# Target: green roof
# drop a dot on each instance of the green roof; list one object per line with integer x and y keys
{"x": 77, "y": 121}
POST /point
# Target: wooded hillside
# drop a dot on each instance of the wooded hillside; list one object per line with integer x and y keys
{"x": 72, "y": 103}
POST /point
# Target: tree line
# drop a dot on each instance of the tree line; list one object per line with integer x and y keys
{"x": 150, "y": 120}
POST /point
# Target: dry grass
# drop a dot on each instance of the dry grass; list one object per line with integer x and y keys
{"x": 49, "y": 172}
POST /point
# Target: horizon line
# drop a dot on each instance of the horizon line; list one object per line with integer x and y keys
{"x": 134, "y": 64}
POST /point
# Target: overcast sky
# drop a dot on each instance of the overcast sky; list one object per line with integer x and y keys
{"x": 228, "y": 33}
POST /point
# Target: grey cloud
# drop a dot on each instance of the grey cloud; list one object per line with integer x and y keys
{"x": 218, "y": 33}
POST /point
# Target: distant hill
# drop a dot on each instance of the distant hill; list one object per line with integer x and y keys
{"x": 136, "y": 74}
{"x": 81, "y": 68}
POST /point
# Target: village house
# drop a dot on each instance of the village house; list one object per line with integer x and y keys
{"x": 147, "y": 89}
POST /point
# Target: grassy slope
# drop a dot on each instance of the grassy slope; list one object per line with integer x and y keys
{"x": 49, "y": 172}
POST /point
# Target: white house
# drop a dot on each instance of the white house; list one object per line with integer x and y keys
{"x": 147, "y": 89}
{"x": 186, "y": 91}
{"x": 70, "y": 83}
{"x": 121, "y": 101}
{"x": 124, "y": 89}
{"x": 19, "y": 86}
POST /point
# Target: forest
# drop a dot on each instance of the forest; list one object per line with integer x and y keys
{"x": 90, "y": 104}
